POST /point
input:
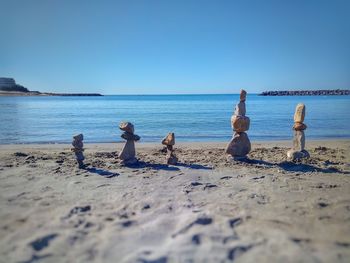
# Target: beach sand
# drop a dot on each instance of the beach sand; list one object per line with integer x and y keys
{"x": 205, "y": 209}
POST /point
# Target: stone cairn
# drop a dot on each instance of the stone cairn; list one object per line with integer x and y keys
{"x": 169, "y": 141}
{"x": 78, "y": 149}
{"x": 239, "y": 145}
{"x": 298, "y": 151}
{"x": 127, "y": 155}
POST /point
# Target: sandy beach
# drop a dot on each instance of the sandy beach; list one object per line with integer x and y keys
{"x": 205, "y": 209}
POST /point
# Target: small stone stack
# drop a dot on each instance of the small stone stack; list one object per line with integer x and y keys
{"x": 239, "y": 145}
{"x": 169, "y": 141}
{"x": 127, "y": 155}
{"x": 78, "y": 149}
{"x": 298, "y": 151}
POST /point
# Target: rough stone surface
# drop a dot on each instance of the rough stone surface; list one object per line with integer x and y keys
{"x": 239, "y": 145}
{"x": 299, "y": 114}
{"x": 129, "y": 136}
{"x": 240, "y": 123}
{"x": 299, "y": 141}
{"x": 297, "y": 155}
{"x": 240, "y": 109}
{"x": 298, "y": 126}
{"x": 127, "y": 126}
{"x": 171, "y": 158}
{"x": 78, "y": 149}
{"x": 169, "y": 139}
{"x": 128, "y": 153}
{"x": 243, "y": 95}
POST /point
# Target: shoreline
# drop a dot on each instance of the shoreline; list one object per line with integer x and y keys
{"x": 197, "y": 144}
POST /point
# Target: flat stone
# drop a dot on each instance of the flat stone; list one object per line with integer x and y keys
{"x": 299, "y": 141}
{"x": 240, "y": 123}
{"x": 169, "y": 139}
{"x": 128, "y": 152}
{"x": 298, "y": 126}
{"x": 297, "y": 155}
{"x": 78, "y": 137}
{"x": 127, "y": 126}
{"x": 243, "y": 95}
{"x": 171, "y": 159}
{"x": 240, "y": 109}
{"x": 239, "y": 146}
{"x": 130, "y": 136}
{"x": 299, "y": 114}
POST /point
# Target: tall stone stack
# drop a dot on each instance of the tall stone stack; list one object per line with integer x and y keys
{"x": 239, "y": 145}
{"x": 128, "y": 153}
{"x": 78, "y": 149}
{"x": 298, "y": 151}
{"x": 169, "y": 141}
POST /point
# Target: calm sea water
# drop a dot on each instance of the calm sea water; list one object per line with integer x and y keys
{"x": 191, "y": 117}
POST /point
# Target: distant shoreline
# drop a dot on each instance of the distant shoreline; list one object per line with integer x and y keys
{"x": 36, "y": 93}
{"x": 335, "y": 92}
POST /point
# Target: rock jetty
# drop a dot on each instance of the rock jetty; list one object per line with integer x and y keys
{"x": 306, "y": 92}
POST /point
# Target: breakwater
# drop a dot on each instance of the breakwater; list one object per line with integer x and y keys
{"x": 305, "y": 92}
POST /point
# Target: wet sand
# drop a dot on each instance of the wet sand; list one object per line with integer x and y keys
{"x": 205, "y": 209}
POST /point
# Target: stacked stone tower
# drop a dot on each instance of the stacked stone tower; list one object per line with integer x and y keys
{"x": 78, "y": 149}
{"x": 128, "y": 153}
{"x": 169, "y": 141}
{"x": 239, "y": 145}
{"x": 298, "y": 151}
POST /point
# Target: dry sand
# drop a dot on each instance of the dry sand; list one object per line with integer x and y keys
{"x": 203, "y": 210}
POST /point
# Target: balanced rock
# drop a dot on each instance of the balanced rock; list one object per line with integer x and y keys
{"x": 239, "y": 145}
{"x": 240, "y": 109}
{"x": 78, "y": 149}
{"x": 240, "y": 123}
{"x": 127, "y": 126}
{"x": 297, "y": 155}
{"x": 299, "y": 141}
{"x": 299, "y": 114}
{"x": 243, "y": 95}
{"x": 128, "y": 153}
{"x": 298, "y": 126}
{"x": 298, "y": 151}
{"x": 169, "y": 139}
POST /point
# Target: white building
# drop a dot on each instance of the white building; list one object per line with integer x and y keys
{"x": 7, "y": 82}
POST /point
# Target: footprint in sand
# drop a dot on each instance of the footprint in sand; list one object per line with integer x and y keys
{"x": 78, "y": 210}
{"x": 200, "y": 221}
{"x": 236, "y": 252}
{"x": 196, "y": 239}
{"x": 42, "y": 242}
{"x": 235, "y": 222}
{"x": 158, "y": 260}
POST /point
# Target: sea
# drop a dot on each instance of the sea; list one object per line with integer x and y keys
{"x": 193, "y": 118}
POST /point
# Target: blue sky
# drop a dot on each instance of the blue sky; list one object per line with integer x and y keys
{"x": 168, "y": 47}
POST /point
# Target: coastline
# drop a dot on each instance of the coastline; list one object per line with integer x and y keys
{"x": 204, "y": 208}
{"x": 44, "y": 94}
{"x": 329, "y": 142}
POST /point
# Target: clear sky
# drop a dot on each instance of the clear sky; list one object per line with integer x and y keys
{"x": 182, "y": 46}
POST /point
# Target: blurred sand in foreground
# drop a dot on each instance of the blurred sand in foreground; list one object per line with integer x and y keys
{"x": 205, "y": 209}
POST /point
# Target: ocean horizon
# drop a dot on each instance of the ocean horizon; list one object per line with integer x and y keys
{"x": 192, "y": 117}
